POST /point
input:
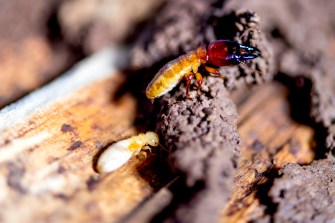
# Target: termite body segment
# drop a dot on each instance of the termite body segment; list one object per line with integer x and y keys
{"x": 218, "y": 53}
{"x": 173, "y": 72}
{"x": 120, "y": 152}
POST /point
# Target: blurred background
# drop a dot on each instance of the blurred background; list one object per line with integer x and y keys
{"x": 40, "y": 39}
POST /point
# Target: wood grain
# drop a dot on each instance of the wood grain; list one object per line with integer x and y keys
{"x": 48, "y": 151}
{"x": 47, "y": 160}
{"x": 271, "y": 139}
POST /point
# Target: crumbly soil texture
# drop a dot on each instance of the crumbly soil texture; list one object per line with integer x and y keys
{"x": 296, "y": 40}
{"x": 201, "y": 132}
{"x": 305, "y": 193}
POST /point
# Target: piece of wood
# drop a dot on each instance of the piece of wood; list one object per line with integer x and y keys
{"x": 50, "y": 141}
{"x": 271, "y": 139}
{"x": 28, "y": 64}
{"x": 49, "y": 144}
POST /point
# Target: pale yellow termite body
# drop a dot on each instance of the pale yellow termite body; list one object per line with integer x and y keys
{"x": 120, "y": 152}
{"x": 174, "y": 71}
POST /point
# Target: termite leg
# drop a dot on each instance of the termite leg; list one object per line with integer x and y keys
{"x": 213, "y": 71}
{"x": 198, "y": 77}
{"x": 188, "y": 78}
{"x": 143, "y": 152}
{"x": 146, "y": 148}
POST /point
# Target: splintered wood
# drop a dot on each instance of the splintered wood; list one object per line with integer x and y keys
{"x": 271, "y": 140}
{"x": 47, "y": 162}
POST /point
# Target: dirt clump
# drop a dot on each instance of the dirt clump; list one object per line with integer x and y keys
{"x": 201, "y": 132}
{"x": 305, "y": 193}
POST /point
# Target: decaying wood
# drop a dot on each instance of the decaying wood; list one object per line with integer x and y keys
{"x": 49, "y": 144}
{"x": 47, "y": 159}
{"x": 50, "y": 140}
{"x": 270, "y": 140}
{"x": 150, "y": 208}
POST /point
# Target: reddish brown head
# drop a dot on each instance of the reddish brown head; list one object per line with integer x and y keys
{"x": 228, "y": 53}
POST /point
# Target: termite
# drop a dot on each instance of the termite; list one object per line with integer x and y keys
{"x": 120, "y": 152}
{"x": 218, "y": 53}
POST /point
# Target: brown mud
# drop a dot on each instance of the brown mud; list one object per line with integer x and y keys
{"x": 305, "y": 193}
{"x": 201, "y": 132}
{"x": 296, "y": 39}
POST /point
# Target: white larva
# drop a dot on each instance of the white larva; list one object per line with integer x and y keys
{"x": 120, "y": 152}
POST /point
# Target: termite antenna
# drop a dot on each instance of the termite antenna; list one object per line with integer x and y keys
{"x": 163, "y": 147}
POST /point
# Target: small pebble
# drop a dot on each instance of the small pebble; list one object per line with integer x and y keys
{"x": 211, "y": 117}
{"x": 208, "y": 111}
{"x": 239, "y": 26}
{"x": 202, "y": 98}
{"x": 255, "y": 18}
{"x": 186, "y": 112}
{"x": 252, "y": 25}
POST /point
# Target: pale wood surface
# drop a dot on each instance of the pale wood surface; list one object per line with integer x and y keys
{"x": 47, "y": 156}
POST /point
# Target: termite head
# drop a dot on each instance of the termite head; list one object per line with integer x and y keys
{"x": 152, "y": 138}
{"x": 228, "y": 53}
